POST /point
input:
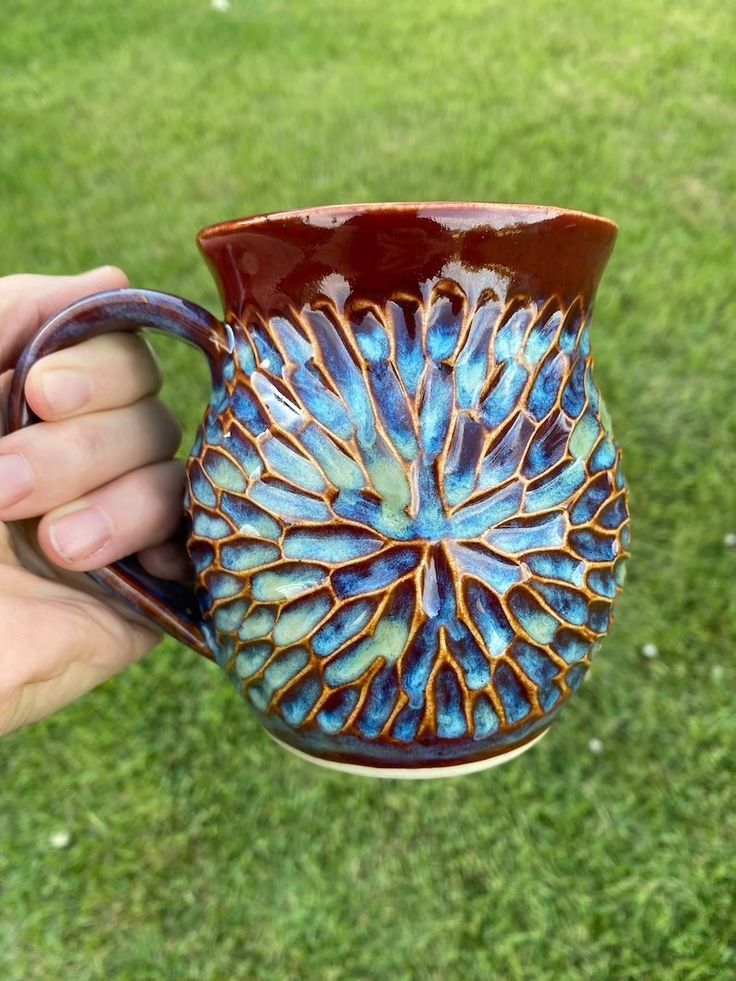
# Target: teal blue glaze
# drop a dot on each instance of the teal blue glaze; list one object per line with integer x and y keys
{"x": 222, "y": 586}
{"x": 382, "y": 695}
{"x": 437, "y": 409}
{"x": 558, "y": 489}
{"x": 375, "y": 574}
{"x": 547, "y": 446}
{"x": 570, "y": 645}
{"x": 576, "y": 676}
{"x": 485, "y": 719}
{"x": 613, "y": 514}
{"x": 444, "y": 325}
{"x": 345, "y": 623}
{"x": 228, "y": 618}
{"x": 570, "y": 335}
{"x": 372, "y": 340}
{"x": 340, "y": 470}
{"x": 516, "y": 703}
{"x": 286, "y": 581}
{"x": 242, "y": 556}
{"x": 266, "y": 351}
{"x": 604, "y": 456}
{"x": 496, "y": 572}
{"x": 500, "y": 403}
{"x": 299, "y": 618}
{"x": 325, "y": 407}
{"x": 258, "y": 624}
{"x": 519, "y": 535}
{"x": 540, "y": 625}
{"x": 251, "y": 659}
{"x": 285, "y": 502}
{"x": 249, "y": 520}
{"x": 493, "y": 625}
{"x": 407, "y": 724}
{"x": 602, "y": 582}
{"x": 473, "y": 520}
{"x": 290, "y": 465}
{"x": 546, "y": 387}
{"x": 339, "y": 708}
{"x": 573, "y": 393}
{"x": 465, "y": 454}
{"x": 540, "y": 338}
{"x": 201, "y": 486}
{"x": 593, "y": 497}
{"x": 471, "y": 369}
{"x": 418, "y": 664}
{"x": 296, "y": 706}
{"x": 473, "y": 663}
{"x": 392, "y": 411}
{"x": 407, "y": 333}
{"x": 549, "y": 696}
{"x": 599, "y": 615}
{"x": 509, "y": 339}
{"x": 210, "y": 526}
{"x": 246, "y": 409}
{"x": 203, "y": 556}
{"x": 396, "y": 533}
{"x": 451, "y": 722}
{"x": 540, "y": 668}
{"x": 280, "y": 670}
{"x": 593, "y": 545}
{"x": 506, "y": 453}
{"x": 320, "y": 545}
{"x": 558, "y": 565}
{"x": 567, "y": 603}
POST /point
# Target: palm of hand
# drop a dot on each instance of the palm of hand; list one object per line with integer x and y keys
{"x": 64, "y": 640}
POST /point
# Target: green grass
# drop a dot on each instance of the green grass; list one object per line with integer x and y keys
{"x": 199, "y": 849}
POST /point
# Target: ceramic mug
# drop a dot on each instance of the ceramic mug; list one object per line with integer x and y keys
{"x": 405, "y": 506}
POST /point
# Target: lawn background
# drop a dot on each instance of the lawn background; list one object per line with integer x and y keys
{"x": 199, "y": 849}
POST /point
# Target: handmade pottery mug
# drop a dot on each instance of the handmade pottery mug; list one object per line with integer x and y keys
{"x": 405, "y": 507}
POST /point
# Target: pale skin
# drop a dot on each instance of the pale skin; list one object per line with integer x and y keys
{"x": 97, "y": 481}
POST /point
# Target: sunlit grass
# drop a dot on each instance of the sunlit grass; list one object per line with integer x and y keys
{"x": 198, "y": 849}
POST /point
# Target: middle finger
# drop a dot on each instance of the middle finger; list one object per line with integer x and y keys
{"x": 53, "y": 463}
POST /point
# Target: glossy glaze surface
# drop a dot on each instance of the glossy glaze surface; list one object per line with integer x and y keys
{"x": 408, "y": 515}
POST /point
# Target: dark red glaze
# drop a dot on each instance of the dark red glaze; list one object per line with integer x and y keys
{"x": 280, "y": 261}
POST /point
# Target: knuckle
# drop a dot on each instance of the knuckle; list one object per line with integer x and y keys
{"x": 12, "y": 290}
{"x": 89, "y": 441}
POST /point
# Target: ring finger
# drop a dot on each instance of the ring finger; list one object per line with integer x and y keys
{"x": 54, "y": 463}
{"x": 138, "y": 510}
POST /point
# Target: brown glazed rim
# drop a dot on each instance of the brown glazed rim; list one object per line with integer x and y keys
{"x": 431, "y": 207}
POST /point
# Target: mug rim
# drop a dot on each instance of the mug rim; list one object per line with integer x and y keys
{"x": 506, "y": 211}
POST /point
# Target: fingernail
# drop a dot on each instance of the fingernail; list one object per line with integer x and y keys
{"x": 16, "y": 479}
{"x": 80, "y": 534}
{"x": 66, "y": 390}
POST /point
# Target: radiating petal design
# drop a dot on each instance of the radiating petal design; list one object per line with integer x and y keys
{"x": 408, "y": 523}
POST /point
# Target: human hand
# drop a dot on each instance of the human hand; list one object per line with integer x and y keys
{"x": 97, "y": 472}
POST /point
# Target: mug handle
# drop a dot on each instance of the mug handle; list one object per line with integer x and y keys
{"x": 170, "y": 605}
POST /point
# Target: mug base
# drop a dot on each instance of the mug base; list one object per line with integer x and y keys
{"x": 413, "y": 773}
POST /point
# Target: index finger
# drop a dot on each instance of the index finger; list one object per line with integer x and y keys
{"x": 27, "y": 301}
